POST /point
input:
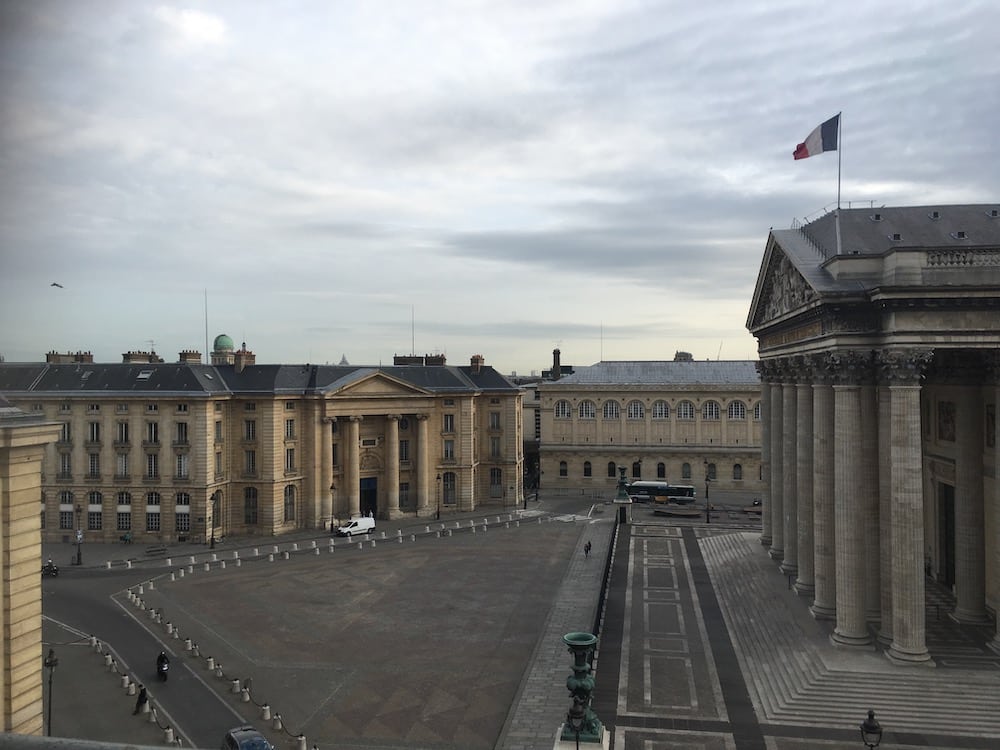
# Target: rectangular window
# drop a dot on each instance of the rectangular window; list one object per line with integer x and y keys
{"x": 152, "y": 432}
{"x": 289, "y": 429}
{"x": 64, "y": 406}
{"x": 182, "y": 433}
{"x": 289, "y": 459}
{"x": 121, "y": 465}
{"x": 93, "y": 465}
{"x": 152, "y": 466}
{"x": 124, "y": 498}
{"x": 250, "y": 406}
{"x": 153, "y": 499}
{"x": 95, "y": 520}
{"x": 218, "y": 406}
{"x": 250, "y": 466}
{"x": 449, "y": 450}
{"x": 123, "y": 521}
{"x": 182, "y": 466}
{"x": 182, "y": 408}
{"x": 494, "y": 420}
{"x": 494, "y": 447}
{"x": 92, "y": 408}
{"x": 121, "y": 408}
{"x": 404, "y": 494}
{"x": 218, "y": 431}
{"x": 94, "y": 432}
{"x": 65, "y": 519}
{"x": 152, "y": 522}
{"x": 152, "y": 408}
{"x": 250, "y": 429}
{"x": 449, "y": 423}
{"x": 449, "y": 402}
{"x": 121, "y": 432}
{"x": 183, "y": 522}
{"x": 66, "y": 434}
{"x": 404, "y": 451}
{"x": 218, "y": 464}
{"x": 65, "y": 465}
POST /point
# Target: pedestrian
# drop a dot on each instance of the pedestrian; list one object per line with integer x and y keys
{"x": 586, "y": 549}
{"x": 141, "y": 700}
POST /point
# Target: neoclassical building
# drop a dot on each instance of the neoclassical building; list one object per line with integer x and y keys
{"x": 679, "y": 421}
{"x": 183, "y": 450}
{"x": 879, "y": 345}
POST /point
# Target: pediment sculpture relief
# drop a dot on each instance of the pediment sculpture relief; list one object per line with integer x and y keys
{"x": 784, "y": 289}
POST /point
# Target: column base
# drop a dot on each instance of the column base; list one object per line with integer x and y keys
{"x": 994, "y": 645}
{"x": 883, "y": 637}
{"x": 823, "y": 612}
{"x": 804, "y": 589}
{"x": 906, "y": 658}
{"x": 969, "y": 617}
{"x": 842, "y": 640}
{"x": 776, "y": 554}
{"x": 765, "y": 540}
{"x": 789, "y": 568}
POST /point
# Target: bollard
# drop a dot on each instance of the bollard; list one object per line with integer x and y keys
{"x": 449, "y": 532}
{"x": 517, "y": 524}
{"x": 128, "y": 564}
{"x": 168, "y": 735}
{"x": 284, "y": 555}
{"x": 484, "y": 528}
{"x": 218, "y": 670}
{"x": 312, "y": 544}
{"x": 215, "y": 557}
{"x": 437, "y": 534}
{"x": 125, "y": 681}
{"x": 177, "y": 634}
{"x": 426, "y": 529}
{"x": 187, "y": 644}
{"x": 265, "y": 712}
{"x": 207, "y": 567}
{"x": 457, "y": 524}
{"x": 194, "y": 650}
{"x": 383, "y": 535}
{"x": 169, "y": 562}
{"x": 93, "y": 642}
{"x": 295, "y": 548}
{"x": 141, "y": 591}
{"x": 302, "y": 742}
{"x": 245, "y": 695}
{"x": 150, "y": 585}
{"x": 256, "y": 551}
{"x": 315, "y": 550}
{"x": 239, "y": 562}
{"x": 373, "y": 543}
{"x": 222, "y": 564}
{"x": 191, "y": 560}
{"x": 170, "y": 628}
{"x": 190, "y": 568}
{"x": 441, "y": 526}
{"x": 274, "y": 549}
{"x": 399, "y": 532}
{"x": 235, "y": 686}
{"x": 152, "y": 612}
{"x": 210, "y": 663}
{"x": 473, "y": 529}
{"x": 108, "y": 565}
{"x": 361, "y": 545}
{"x": 276, "y": 724}
{"x": 236, "y": 554}
{"x": 270, "y": 557}
{"x": 144, "y": 708}
{"x": 539, "y": 520}
{"x": 180, "y": 573}
{"x": 498, "y": 519}
{"x": 107, "y": 660}
{"x": 152, "y": 715}
{"x": 507, "y": 525}
{"x": 399, "y": 539}
{"x": 130, "y": 689}
{"x": 173, "y": 576}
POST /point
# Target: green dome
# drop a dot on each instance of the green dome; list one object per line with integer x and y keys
{"x": 223, "y": 343}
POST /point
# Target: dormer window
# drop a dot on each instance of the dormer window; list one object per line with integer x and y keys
{"x": 895, "y": 236}
{"x": 876, "y": 217}
{"x": 959, "y": 235}
{"x": 934, "y": 215}
{"x": 993, "y": 213}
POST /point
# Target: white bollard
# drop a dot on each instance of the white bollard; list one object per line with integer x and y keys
{"x": 187, "y": 644}
{"x": 361, "y": 545}
{"x": 169, "y": 562}
{"x": 190, "y": 568}
{"x": 177, "y": 634}
{"x": 302, "y": 742}
{"x": 473, "y": 529}
{"x": 245, "y": 695}
{"x": 150, "y": 585}
{"x": 399, "y": 532}
{"x": 276, "y": 724}
{"x": 274, "y": 549}
{"x": 191, "y": 560}
{"x": 457, "y": 524}
{"x": 207, "y": 567}
{"x": 236, "y": 554}
{"x": 427, "y": 528}
{"x": 373, "y": 543}
{"x": 128, "y": 564}
{"x": 436, "y": 534}
{"x": 239, "y": 562}
{"x": 517, "y": 524}
{"x": 125, "y": 681}
{"x": 194, "y": 650}
{"x": 210, "y": 663}
{"x": 170, "y": 628}
{"x": 144, "y": 708}
{"x": 215, "y": 557}
{"x": 270, "y": 557}
{"x": 152, "y": 714}
{"x": 284, "y": 555}
{"x": 295, "y": 548}
{"x": 316, "y": 550}
{"x": 218, "y": 670}
{"x": 507, "y": 525}
{"x": 108, "y": 565}
{"x": 180, "y": 573}
{"x": 383, "y": 535}
{"x": 222, "y": 564}
{"x": 141, "y": 592}
{"x": 399, "y": 539}
{"x": 312, "y": 544}
{"x": 256, "y": 551}
{"x": 130, "y": 689}
{"x": 235, "y": 686}
{"x": 168, "y": 735}
{"x": 265, "y": 712}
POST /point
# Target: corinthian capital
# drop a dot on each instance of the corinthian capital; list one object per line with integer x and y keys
{"x": 903, "y": 366}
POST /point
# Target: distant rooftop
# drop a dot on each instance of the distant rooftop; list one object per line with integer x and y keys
{"x": 666, "y": 372}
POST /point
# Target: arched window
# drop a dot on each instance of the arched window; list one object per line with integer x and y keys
{"x": 685, "y": 410}
{"x": 686, "y": 471}
{"x": 710, "y": 410}
{"x": 637, "y": 469}
{"x": 588, "y": 410}
{"x": 94, "y": 498}
{"x": 737, "y": 471}
{"x": 612, "y": 471}
{"x": 737, "y": 410}
{"x": 250, "y": 506}
{"x": 636, "y": 410}
{"x": 611, "y": 410}
{"x": 661, "y": 470}
{"x": 289, "y": 503}
{"x": 563, "y": 410}
{"x": 586, "y": 469}
{"x": 756, "y": 412}
{"x": 661, "y": 410}
{"x": 563, "y": 469}
{"x": 449, "y": 480}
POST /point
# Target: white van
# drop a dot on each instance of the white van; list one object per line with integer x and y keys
{"x": 357, "y": 526}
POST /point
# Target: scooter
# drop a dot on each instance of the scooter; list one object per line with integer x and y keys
{"x": 50, "y": 569}
{"x": 161, "y": 670}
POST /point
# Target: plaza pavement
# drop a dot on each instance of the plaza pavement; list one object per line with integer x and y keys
{"x": 702, "y": 644}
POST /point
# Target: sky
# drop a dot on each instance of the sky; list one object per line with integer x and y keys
{"x": 359, "y": 178}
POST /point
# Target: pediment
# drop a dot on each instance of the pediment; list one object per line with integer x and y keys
{"x": 781, "y": 289}
{"x": 378, "y": 385}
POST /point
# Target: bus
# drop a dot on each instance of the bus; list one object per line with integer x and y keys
{"x": 661, "y": 492}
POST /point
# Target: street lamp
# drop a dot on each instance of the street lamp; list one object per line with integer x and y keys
{"x": 79, "y": 535}
{"x": 439, "y": 497}
{"x": 708, "y": 506}
{"x": 871, "y": 731}
{"x": 51, "y": 662}
{"x": 333, "y": 491}
{"x": 215, "y": 499}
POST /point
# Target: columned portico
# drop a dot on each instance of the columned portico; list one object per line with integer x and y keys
{"x": 970, "y": 573}
{"x": 392, "y": 465}
{"x": 805, "y": 584}
{"x": 870, "y": 498}
{"x": 824, "y": 606}
{"x": 765, "y": 454}
{"x": 777, "y": 550}
{"x": 353, "y": 466}
{"x": 789, "y": 462}
{"x": 423, "y": 466}
{"x": 884, "y": 635}
{"x": 326, "y": 471}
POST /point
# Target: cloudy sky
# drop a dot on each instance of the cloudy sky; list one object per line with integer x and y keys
{"x": 371, "y": 177}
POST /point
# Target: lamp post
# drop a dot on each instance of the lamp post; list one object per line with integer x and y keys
{"x": 79, "y": 535}
{"x": 211, "y": 520}
{"x": 439, "y": 497}
{"x": 871, "y": 731}
{"x": 333, "y": 497}
{"x": 51, "y": 662}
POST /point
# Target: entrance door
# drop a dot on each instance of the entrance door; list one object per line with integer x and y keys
{"x": 369, "y": 496}
{"x": 946, "y": 525}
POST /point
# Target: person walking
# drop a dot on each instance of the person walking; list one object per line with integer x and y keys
{"x": 141, "y": 700}
{"x": 586, "y": 549}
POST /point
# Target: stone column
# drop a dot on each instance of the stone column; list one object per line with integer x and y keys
{"x": 849, "y": 515}
{"x": 994, "y": 427}
{"x": 824, "y": 605}
{"x": 326, "y": 471}
{"x": 885, "y": 512}
{"x": 789, "y": 462}
{"x": 777, "y": 551}
{"x": 765, "y": 452}
{"x": 423, "y": 467}
{"x": 392, "y": 464}
{"x": 970, "y": 539}
{"x": 870, "y": 498}
{"x": 903, "y": 371}
{"x": 352, "y": 468}
{"x": 805, "y": 584}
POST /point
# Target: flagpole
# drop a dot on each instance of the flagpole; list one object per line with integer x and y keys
{"x": 840, "y": 151}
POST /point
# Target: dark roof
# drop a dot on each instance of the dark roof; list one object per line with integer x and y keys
{"x": 667, "y": 373}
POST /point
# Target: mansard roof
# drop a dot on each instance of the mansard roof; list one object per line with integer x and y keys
{"x": 662, "y": 373}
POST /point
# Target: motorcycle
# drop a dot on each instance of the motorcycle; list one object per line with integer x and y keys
{"x": 161, "y": 670}
{"x": 50, "y": 569}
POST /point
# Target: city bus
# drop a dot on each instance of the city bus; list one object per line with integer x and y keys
{"x": 661, "y": 492}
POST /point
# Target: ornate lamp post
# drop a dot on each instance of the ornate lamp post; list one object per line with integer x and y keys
{"x": 871, "y": 731}
{"x": 439, "y": 497}
{"x": 581, "y": 721}
{"x": 79, "y": 535}
{"x": 333, "y": 491}
{"x": 51, "y": 662}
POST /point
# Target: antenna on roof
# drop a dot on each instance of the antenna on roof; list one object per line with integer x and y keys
{"x": 720, "y": 352}
{"x": 206, "y": 327}
{"x": 412, "y": 348}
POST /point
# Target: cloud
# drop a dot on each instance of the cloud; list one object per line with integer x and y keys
{"x": 191, "y": 27}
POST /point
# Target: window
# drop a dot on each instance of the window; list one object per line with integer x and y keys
{"x": 449, "y": 402}
{"x": 449, "y": 450}
{"x": 250, "y": 506}
{"x": 94, "y": 465}
{"x": 449, "y": 423}
{"x": 636, "y": 410}
{"x": 95, "y": 520}
{"x": 494, "y": 447}
{"x": 65, "y": 519}
{"x": 121, "y": 408}
{"x": 289, "y": 429}
{"x": 737, "y": 472}
{"x": 66, "y": 434}
{"x": 737, "y": 410}
{"x": 218, "y": 406}
{"x": 250, "y": 406}
{"x": 587, "y": 472}
{"x": 218, "y": 431}
{"x": 124, "y": 498}
{"x": 152, "y": 466}
{"x": 710, "y": 472}
{"x": 756, "y": 412}
{"x": 637, "y": 469}
{"x": 685, "y": 410}
{"x": 661, "y": 470}
{"x": 494, "y": 420}
{"x": 93, "y": 408}
{"x": 121, "y": 432}
{"x": 404, "y": 451}
{"x": 289, "y": 459}
{"x": 289, "y": 406}
{"x": 182, "y": 465}
{"x": 289, "y": 503}
{"x": 183, "y": 522}
{"x": 588, "y": 410}
{"x": 563, "y": 410}
{"x": 152, "y": 408}
{"x": 153, "y": 499}
{"x": 611, "y": 410}
{"x": 450, "y": 488}
{"x": 152, "y": 522}
{"x": 404, "y": 494}
{"x": 121, "y": 466}
{"x": 152, "y": 432}
{"x": 182, "y": 433}
{"x": 612, "y": 470}
{"x": 64, "y": 406}
{"x": 496, "y": 482}
{"x": 65, "y": 497}
{"x": 65, "y": 465}
{"x": 182, "y": 408}
{"x": 563, "y": 469}
{"x": 123, "y": 521}
{"x": 250, "y": 462}
{"x": 94, "y": 432}
{"x": 685, "y": 471}
{"x": 710, "y": 410}
{"x": 218, "y": 464}
{"x": 250, "y": 429}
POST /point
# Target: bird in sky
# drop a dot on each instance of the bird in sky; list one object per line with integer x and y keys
{"x": 56, "y": 284}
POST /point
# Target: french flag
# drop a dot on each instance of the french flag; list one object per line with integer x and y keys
{"x": 823, "y": 138}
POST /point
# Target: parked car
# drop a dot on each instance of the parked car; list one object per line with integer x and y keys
{"x": 357, "y": 526}
{"x": 245, "y": 738}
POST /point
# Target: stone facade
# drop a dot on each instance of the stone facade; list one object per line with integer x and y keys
{"x": 678, "y": 421}
{"x": 187, "y": 451}
{"x": 882, "y": 360}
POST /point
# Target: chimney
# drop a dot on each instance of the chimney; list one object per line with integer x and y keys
{"x": 189, "y": 357}
{"x": 243, "y": 358}
{"x": 55, "y": 358}
{"x": 556, "y": 367}
{"x": 144, "y": 358}
{"x": 477, "y": 363}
